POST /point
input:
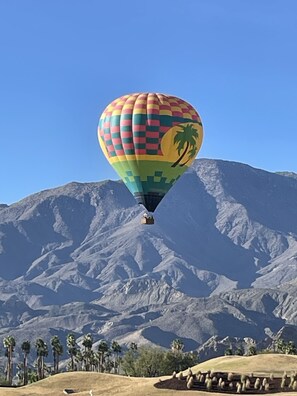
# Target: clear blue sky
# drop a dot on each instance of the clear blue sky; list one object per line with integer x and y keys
{"x": 63, "y": 61}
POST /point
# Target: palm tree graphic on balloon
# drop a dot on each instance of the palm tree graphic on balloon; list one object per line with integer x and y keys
{"x": 186, "y": 140}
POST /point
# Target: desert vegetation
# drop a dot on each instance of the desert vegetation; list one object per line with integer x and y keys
{"x": 40, "y": 360}
{"x": 229, "y": 382}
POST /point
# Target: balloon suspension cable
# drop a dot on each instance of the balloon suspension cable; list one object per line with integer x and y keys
{"x": 147, "y": 218}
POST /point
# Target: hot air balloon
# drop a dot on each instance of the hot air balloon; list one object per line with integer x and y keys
{"x": 150, "y": 139}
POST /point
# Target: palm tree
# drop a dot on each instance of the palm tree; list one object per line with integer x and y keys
{"x": 185, "y": 139}
{"x": 191, "y": 154}
{"x": 9, "y": 344}
{"x": 177, "y": 345}
{"x": 71, "y": 348}
{"x": 42, "y": 352}
{"x": 87, "y": 343}
{"x": 57, "y": 349}
{"x": 117, "y": 349}
{"x": 94, "y": 361}
{"x": 102, "y": 351}
{"x": 26, "y": 347}
{"x": 79, "y": 360}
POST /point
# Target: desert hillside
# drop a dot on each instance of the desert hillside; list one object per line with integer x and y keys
{"x": 220, "y": 260}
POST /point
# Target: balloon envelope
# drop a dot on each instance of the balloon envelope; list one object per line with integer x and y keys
{"x": 150, "y": 139}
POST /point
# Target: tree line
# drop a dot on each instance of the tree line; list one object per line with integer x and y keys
{"x": 108, "y": 357}
{"x": 278, "y": 346}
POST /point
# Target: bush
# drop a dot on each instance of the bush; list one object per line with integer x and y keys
{"x": 257, "y": 383}
{"x": 283, "y": 383}
{"x": 190, "y": 383}
{"x": 252, "y": 351}
{"x": 230, "y": 376}
{"x": 3, "y": 381}
{"x": 208, "y": 384}
{"x": 228, "y": 352}
{"x": 239, "y": 352}
{"x": 248, "y": 383}
{"x": 152, "y": 362}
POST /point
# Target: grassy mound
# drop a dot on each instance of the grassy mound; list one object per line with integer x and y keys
{"x": 82, "y": 383}
{"x": 259, "y": 364}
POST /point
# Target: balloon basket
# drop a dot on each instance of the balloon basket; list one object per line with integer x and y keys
{"x": 147, "y": 219}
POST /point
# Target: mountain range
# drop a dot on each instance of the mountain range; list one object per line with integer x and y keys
{"x": 220, "y": 260}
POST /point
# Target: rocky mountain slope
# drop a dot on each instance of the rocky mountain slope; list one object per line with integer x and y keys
{"x": 221, "y": 259}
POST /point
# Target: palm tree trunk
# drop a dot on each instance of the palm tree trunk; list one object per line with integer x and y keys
{"x": 8, "y": 368}
{"x": 181, "y": 157}
{"x": 10, "y": 365}
{"x": 118, "y": 364}
{"x": 42, "y": 367}
{"x": 101, "y": 363}
{"x": 184, "y": 163}
{"x": 72, "y": 362}
{"x": 55, "y": 362}
{"x": 38, "y": 368}
{"x": 25, "y": 370}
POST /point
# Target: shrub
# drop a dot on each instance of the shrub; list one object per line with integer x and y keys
{"x": 190, "y": 383}
{"x": 248, "y": 383}
{"x": 208, "y": 384}
{"x": 257, "y": 383}
{"x": 188, "y": 377}
{"x": 228, "y": 352}
{"x": 243, "y": 378}
{"x": 283, "y": 383}
{"x": 252, "y": 351}
{"x": 239, "y": 351}
{"x": 151, "y": 362}
{"x": 230, "y": 376}
{"x": 214, "y": 380}
{"x": 267, "y": 386}
{"x": 220, "y": 382}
